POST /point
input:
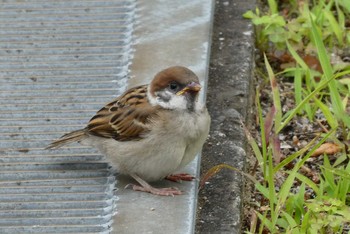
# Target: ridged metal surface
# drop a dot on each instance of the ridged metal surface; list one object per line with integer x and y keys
{"x": 60, "y": 61}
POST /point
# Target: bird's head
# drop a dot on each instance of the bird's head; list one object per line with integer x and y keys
{"x": 175, "y": 88}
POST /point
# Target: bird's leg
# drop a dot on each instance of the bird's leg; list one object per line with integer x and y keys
{"x": 145, "y": 187}
{"x": 180, "y": 177}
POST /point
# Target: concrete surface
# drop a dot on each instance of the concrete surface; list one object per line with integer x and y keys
{"x": 167, "y": 33}
{"x": 228, "y": 100}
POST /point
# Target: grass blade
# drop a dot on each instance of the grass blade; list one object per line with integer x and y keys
{"x": 275, "y": 93}
{"x": 328, "y": 73}
{"x": 291, "y": 114}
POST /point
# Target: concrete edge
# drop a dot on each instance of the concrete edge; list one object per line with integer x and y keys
{"x": 229, "y": 99}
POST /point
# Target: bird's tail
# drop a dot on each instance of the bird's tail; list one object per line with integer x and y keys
{"x": 68, "y": 138}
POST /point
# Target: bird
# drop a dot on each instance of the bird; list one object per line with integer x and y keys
{"x": 150, "y": 131}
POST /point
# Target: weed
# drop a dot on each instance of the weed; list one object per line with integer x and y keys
{"x": 294, "y": 201}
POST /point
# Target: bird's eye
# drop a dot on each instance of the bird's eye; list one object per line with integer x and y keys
{"x": 173, "y": 86}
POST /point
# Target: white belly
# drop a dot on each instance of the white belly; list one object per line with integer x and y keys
{"x": 160, "y": 153}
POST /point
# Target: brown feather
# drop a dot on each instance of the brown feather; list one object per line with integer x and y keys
{"x": 125, "y": 118}
{"x": 130, "y": 116}
{"x": 68, "y": 138}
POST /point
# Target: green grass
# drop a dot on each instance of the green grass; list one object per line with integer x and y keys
{"x": 288, "y": 210}
{"x": 299, "y": 28}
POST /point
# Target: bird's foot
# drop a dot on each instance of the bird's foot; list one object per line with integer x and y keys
{"x": 180, "y": 177}
{"x": 145, "y": 187}
{"x": 158, "y": 191}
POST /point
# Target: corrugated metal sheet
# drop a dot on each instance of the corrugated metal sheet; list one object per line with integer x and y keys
{"x": 59, "y": 62}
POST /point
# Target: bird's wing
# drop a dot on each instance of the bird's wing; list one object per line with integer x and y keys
{"x": 126, "y": 118}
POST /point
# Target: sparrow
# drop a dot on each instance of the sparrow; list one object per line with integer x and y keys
{"x": 150, "y": 131}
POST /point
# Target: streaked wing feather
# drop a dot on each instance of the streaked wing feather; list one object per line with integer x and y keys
{"x": 125, "y": 118}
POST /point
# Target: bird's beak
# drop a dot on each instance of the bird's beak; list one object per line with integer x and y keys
{"x": 193, "y": 86}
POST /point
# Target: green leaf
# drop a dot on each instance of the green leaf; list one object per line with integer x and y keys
{"x": 291, "y": 114}
{"x": 295, "y": 155}
{"x": 328, "y": 73}
{"x": 345, "y": 81}
{"x": 309, "y": 182}
{"x": 268, "y": 20}
{"x": 273, "y": 6}
{"x": 305, "y": 222}
{"x": 345, "y": 4}
{"x": 265, "y": 222}
{"x": 291, "y": 223}
{"x": 249, "y": 15}
{"x": 331, "y": 120}
{"x": 334, "y": 26}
